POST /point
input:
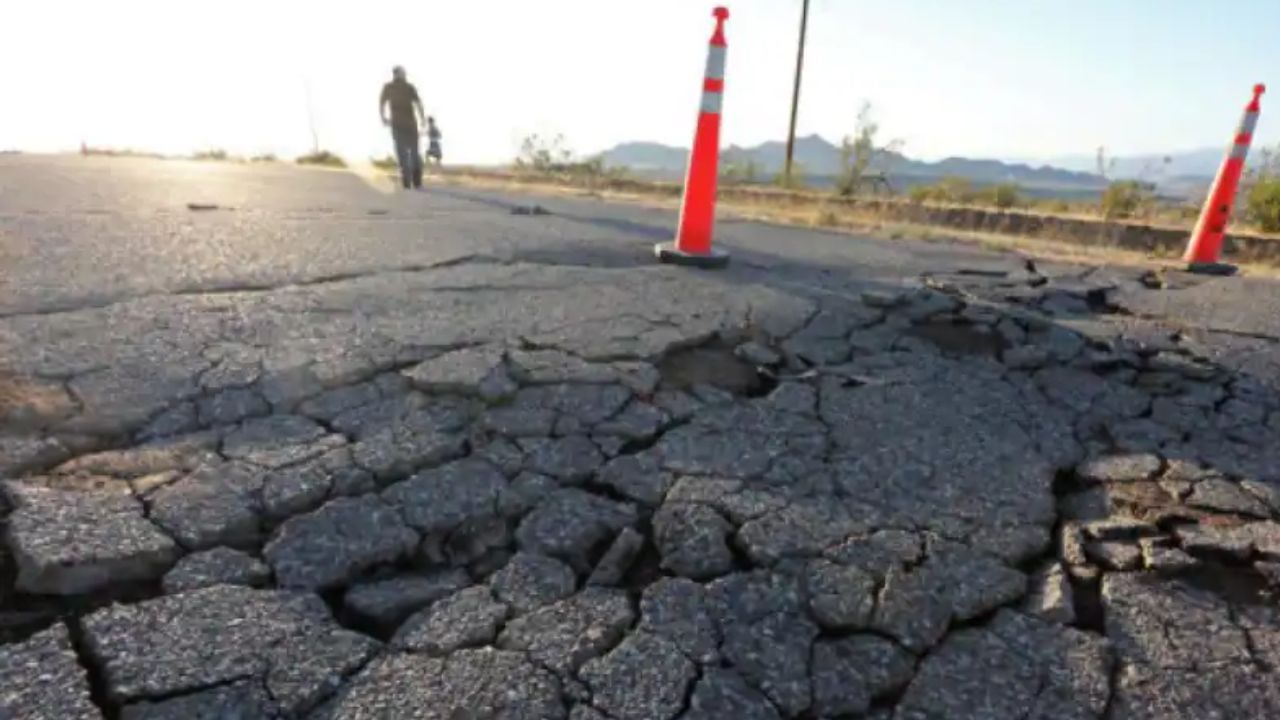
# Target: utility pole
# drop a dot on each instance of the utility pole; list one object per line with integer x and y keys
{"x": 795, "y": 95}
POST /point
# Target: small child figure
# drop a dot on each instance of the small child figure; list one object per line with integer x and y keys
{"x": 433, "y": 142}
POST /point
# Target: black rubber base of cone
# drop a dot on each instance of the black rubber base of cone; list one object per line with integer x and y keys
{"x": 667, "y": 253}
{"x": 1222, "y": 269}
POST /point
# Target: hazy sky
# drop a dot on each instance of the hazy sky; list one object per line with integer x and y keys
{"x": 990, "y": 78}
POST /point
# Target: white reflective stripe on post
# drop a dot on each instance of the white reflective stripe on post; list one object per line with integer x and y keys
{"x": 711, "y": 102}
{"x": 715, "y": 63}
{"x": 1239, "y": 152}
{"x": 1249, "y": 124}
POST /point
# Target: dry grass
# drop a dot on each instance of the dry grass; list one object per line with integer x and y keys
{"x": 1039, "y": 248}
{"x": 321, "y": 158}
{"x": 91, "y": 151}
{"x": 838, "y": 217}
{"x": 215, "y": 155}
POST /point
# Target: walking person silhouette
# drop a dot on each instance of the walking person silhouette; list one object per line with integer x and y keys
{"x": 401, "y": 97}
{"x": 433, "y": 142}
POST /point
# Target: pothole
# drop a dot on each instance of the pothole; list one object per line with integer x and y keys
{"x": 1236, "y": 584}
{"x": 1066, "y": 482}
{"x": 1099, "y": 302}
{"x": 99, "y": 693}
{"x": 959, "y": 339}
{"x": 1086, "y": 594}
{"x": 645, "y": 570}
{"x": 714, "y": 364}
{"x": 1085, "y": 581}
{"x": 22, "y": 615}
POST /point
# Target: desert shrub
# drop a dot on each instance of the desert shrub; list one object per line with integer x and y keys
{"x": 862, "y": 158}
{"x": 213, "y": 154}
{"x": 543, "y": 155}
{"x": 1263, "y": 204}
{"x": 552, "y": 156}
{"x": 797, "y": 179}
{"x": 1005, "y": 195}
{"x": 955, "y": 190}
{"x": 740, "y": 172}
{"x": 323, "y": 158}
{"x": 1124, "y": 198}
{"x": 89, "y": 150}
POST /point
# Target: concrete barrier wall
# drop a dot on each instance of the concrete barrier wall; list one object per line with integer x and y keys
{"x": 1150, "y": 239}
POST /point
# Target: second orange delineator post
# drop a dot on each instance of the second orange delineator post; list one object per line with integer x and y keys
{"x": 1205, "y": 248}
{"x": 693, "y": 245}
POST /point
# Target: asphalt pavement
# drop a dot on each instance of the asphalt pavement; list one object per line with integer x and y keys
{"x": 282, "y": 442}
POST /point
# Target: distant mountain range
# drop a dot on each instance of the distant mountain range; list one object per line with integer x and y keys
{"x": 1186, "y": 173}
{"x": 1176, "y": 173}
{"x": 820, "y": 160}
{"x": 1203, "y": 162}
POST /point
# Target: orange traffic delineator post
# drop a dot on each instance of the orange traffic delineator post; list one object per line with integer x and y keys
{"x": 692, "y": 245}
{"x": 1205, "y": 247}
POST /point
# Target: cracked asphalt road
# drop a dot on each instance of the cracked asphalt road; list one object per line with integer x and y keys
{"x": 325, "y": 452}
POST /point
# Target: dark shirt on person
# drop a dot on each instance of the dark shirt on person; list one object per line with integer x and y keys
{"x": 401, "y": 95}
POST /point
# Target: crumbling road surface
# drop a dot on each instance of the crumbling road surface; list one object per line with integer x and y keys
{"x": 315, "y": 451}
